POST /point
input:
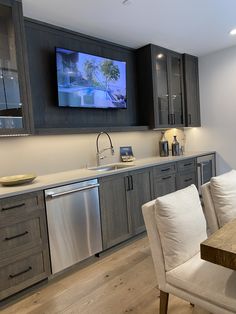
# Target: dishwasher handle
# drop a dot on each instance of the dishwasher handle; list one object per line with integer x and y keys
{"x": 84, "y": 188}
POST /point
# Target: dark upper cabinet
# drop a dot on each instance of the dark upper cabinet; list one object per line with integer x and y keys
{"x": 15, "y": 106}
{"x": 160, "y": 87}
{"x": 191, "y": 88}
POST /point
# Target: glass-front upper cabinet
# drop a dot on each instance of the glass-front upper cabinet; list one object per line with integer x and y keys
{"x": 15, "y": 106}
{"x": 169, "y": 106}
{"x": 160, "y": 87}
{"x": 176, "y": 90}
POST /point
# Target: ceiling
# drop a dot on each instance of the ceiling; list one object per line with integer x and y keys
{"x": 197, "y": 27}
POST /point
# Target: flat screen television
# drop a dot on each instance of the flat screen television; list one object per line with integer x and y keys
{"x": 89, "y": 81}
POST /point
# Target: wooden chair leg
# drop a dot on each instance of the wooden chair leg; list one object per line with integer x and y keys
{"x": 164, "y": 298}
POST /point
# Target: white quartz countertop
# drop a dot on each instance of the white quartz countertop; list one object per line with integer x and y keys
{"x": 61, "y": 178}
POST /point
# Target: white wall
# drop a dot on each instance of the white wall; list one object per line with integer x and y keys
{"x": 48, "y": 154}
{"x": 217, "y": 73}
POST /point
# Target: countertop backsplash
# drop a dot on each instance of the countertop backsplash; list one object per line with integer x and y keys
{"x": 50, "y": 154}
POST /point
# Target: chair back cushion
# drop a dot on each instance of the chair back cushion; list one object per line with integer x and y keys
{"x": 223, "y": 191}
{"x": 149, "y": 212}
{"x": 181, "y": 225}
{"x": 209, "y": 209}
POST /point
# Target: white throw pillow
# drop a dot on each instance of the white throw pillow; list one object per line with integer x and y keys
{"x": 223, "y": 191}
{"x": 181, "y": 225}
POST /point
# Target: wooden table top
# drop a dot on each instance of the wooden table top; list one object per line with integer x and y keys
{"x": 220, "y": 247}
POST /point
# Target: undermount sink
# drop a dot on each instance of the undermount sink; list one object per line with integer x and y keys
{"x": 110, "y": 167}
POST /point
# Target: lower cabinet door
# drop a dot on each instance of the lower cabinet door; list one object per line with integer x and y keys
{"x": 164, "y": 185}
{"x": 115, "y": 216}
{"x": 139, "y": 193}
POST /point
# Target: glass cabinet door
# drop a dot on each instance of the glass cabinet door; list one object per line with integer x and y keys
{"x": 13, "y": 117}
{"x": 176, "y": 97}
{"x": 162, "y": 104}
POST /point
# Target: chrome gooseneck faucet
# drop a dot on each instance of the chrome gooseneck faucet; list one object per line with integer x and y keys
{"x": 99, "y": 152}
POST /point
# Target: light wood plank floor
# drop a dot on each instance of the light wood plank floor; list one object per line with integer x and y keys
{"x": 119, "y": 282}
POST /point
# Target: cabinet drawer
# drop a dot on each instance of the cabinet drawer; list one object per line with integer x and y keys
{"x": 164, "y": 170}
{"x": 187, "y": 164}
{"x": 164, "y": 185}
{"x": 20, "y": 236}
{"x": 186, "y": 179}
{"x": 21, "y": 274}
{"x": 20, "y": 206}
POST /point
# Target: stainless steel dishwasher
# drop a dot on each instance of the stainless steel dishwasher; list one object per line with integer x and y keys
{"x": 74, "y": 225}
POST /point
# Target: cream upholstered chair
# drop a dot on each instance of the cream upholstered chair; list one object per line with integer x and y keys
{"x": 176, "y": 226}
{"x": 219, "y": 199}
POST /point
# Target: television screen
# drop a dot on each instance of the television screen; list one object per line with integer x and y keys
{"x": 88, "y": 81}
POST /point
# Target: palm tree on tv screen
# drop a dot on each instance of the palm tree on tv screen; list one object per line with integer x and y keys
{"x": 110, "y": 71}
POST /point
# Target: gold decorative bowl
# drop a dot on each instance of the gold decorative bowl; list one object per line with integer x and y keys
{"x": 17, "y": 179}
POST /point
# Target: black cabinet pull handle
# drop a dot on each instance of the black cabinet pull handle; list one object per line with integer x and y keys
{"x": 173, "y": 118}
{"x": 187, "y": 180}
{"x": 132, "y": 184}
{"x": 127, "y": 184}
{"x": 189, "y": 119}
{"x": 20, "y": 273}
{"x": 166, "y": 169}
{"x": 165, "y": 178}
{"x": 16, "y": 236}
{"x": 189, "y": 164}
{"x": 13, "y": 207}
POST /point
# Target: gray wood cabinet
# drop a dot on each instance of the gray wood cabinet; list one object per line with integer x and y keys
{"x": 121, "y": 198}
{"x": 115, "y": 216}
{"x": 186, "y": 173}
{"x": 185, "y": 179}
{"x": 164, "y": 185}
{"x": 174, "y": 176}
{"x": 24, "y": 258}
{"x": 164, "y": 179}
{"x": 138, "y": 194}
{"x": 15, "y": 99}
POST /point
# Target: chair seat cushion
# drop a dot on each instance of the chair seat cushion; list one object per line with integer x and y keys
{"x": 223, "y": 191}
{"x": 181, "y": 225}
{"x": 208, "y": 281}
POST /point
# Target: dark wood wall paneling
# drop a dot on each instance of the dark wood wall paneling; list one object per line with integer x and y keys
{"x": 48, "y": 117}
